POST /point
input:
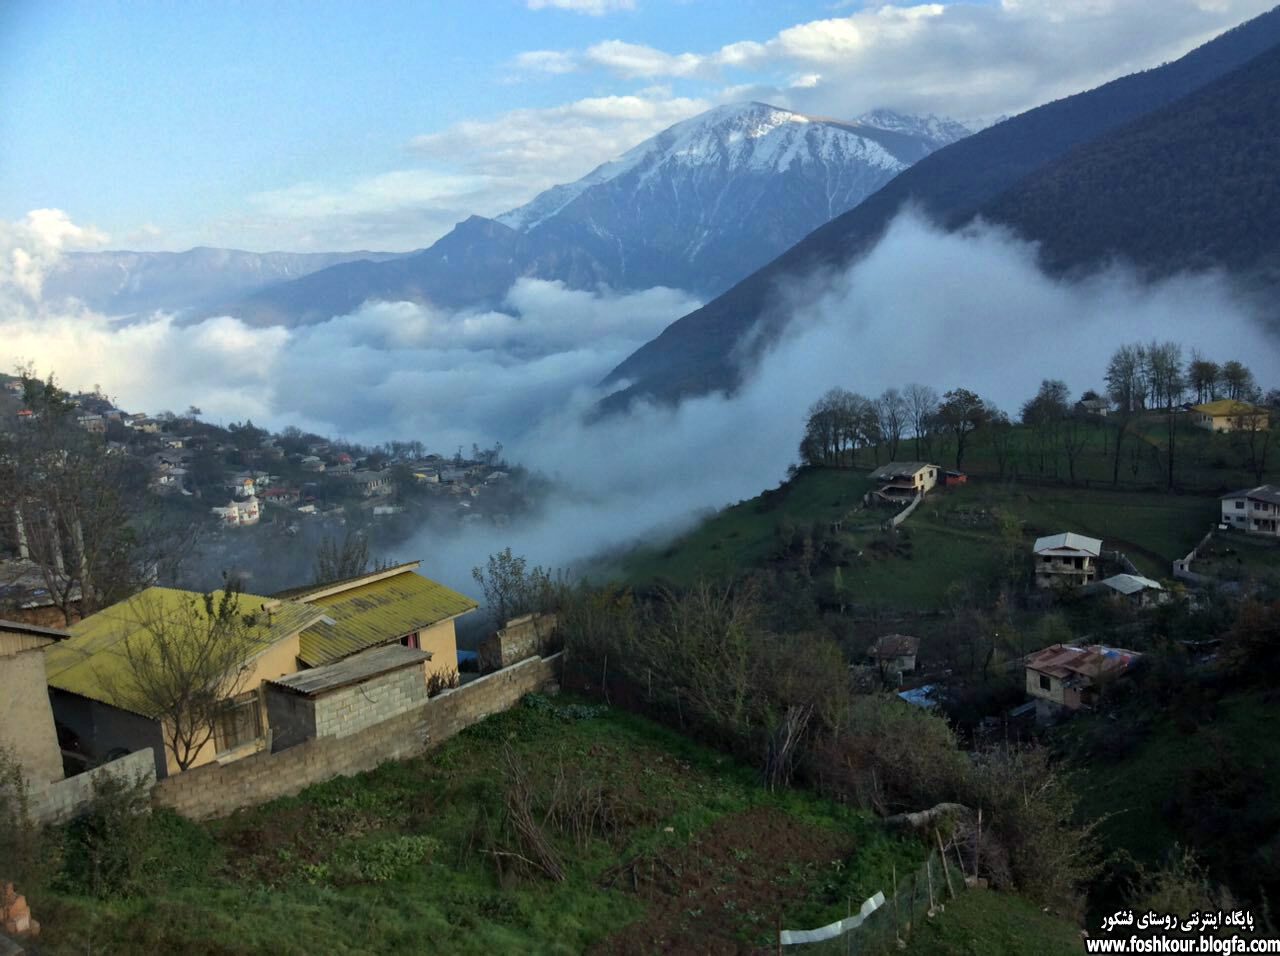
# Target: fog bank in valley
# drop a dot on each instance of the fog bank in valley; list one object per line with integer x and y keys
{"x": 970, "y": 309}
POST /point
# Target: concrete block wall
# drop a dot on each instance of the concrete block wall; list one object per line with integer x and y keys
{"x": 353, "y": 709}
{"x": 60, "y": 801}
{"x": 215, "y": 789}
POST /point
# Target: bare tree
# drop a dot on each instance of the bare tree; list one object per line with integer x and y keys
{"x": 181, "y": 662}
{"x": 1044, "y": 414}
{"x": 74, "y": 504}
{"x": 891, "y": 418}
{"x": 1203, "y": 376}
{"x": 922, "y": 405}
{"x": 512, "y": 588}
{"x": 1254, "y": 427}
{"x": 1237, "y": 381}
{"x": 962, "y": 412}
{"x": 1125, "y": 387}
{"x": 334, "y": 561}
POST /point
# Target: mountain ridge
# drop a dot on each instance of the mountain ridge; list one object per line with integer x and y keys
{"x": 695, "y": 207}
{"x": 696, "y": 354}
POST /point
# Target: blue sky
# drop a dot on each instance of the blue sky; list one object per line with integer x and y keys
{"x": 376, "y": 125}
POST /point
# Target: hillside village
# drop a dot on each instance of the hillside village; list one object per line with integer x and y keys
{"x": 240, "y": 492}
{"x": 992, "y": 591}
{"x": 990, "y": 670}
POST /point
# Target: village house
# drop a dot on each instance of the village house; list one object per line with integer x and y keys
{"x": 896, "y": 651}
{"x": 1065, "y": 678}
{"x": 1133, "y": 589}
{"x": 1067, "y": 560}
{"x": 391, "y": 606}
{"x": 279, "y": 496}
{"x": 372, "y": 483}
{"x": 94, "y": 424}
{"x": 239, "y": 513}
{"x": 95, "y": 698}
{"x": 242, "y": 486}
{"x": 1094, "y": 406}
{"x": 311, "y": 463}
{"x": 904, "y": 480}
{"x": 26, "y": 719}
{"x": 1253, "y": 510}
{"x": 1228, "y": 415}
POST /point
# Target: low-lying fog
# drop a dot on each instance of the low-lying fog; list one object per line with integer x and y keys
{"x": 949, "y": 310}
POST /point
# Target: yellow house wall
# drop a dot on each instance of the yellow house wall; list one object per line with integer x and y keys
{"x": 442, "y": 641}
{"x": 26, "y": 718}
{"x": 279, "y": 660}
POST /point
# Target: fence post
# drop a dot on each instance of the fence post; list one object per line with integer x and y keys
{"x": 977, "y": 846}
{"x": 946, "y": 869}
{"x": 928, "y": 872}
{"x": 897, "y": 932}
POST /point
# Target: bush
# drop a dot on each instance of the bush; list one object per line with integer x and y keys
{"x": 29, "y": 853}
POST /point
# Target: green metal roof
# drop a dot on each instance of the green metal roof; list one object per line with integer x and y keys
{"x": 384, "y": 609}
{"x": 91, "y": 662}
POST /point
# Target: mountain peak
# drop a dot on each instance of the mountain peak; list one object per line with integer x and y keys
{"x": 752, "y": 136}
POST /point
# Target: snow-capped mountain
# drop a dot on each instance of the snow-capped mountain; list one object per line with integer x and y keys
{"x": 702, "y": 202}
{"x": 937, "y": 131}
{"x": 696, "y": 207}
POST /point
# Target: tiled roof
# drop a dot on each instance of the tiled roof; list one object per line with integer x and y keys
{"x": 91, "y": 662}
{"x": 373, "y": 609}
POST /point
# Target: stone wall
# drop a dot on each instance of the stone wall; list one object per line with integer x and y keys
{"x": 352, "y": 709}
{"x": 523, "y": 637}
{"x": 216, "y": 789}
{"x": 64, "y": 799}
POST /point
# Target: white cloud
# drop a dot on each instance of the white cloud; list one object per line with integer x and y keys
{"x": 31, "y": 247}
{"x": 986, "y": 319}
{"x": 594, "y": 8}
{"x": 960, "y": 58}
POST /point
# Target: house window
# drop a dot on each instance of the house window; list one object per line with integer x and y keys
{"x": 1239, "y": 504}
{"x": 239, "y": 723}
{"x": 1045, "y": 683}
{"x": 410, "y": 640}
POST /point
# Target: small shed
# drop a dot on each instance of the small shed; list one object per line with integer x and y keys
{"x": 343, "y": 698}
{"x": 1134, "y": 589}
{"x": 895, "y": 650}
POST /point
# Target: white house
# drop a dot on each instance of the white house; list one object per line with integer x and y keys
{"x": 903, "y": 480}
{"x": 1253, "y": 510}
{"x": 239, "y": 513}
{"x": 1066, "y": 560}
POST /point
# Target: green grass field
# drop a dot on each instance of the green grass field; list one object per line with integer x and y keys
{"x": 950, "y": 540}
{"x": 743, "y": 535}
{"x": 986, "y": 923}
{"x": 687, "y": 849}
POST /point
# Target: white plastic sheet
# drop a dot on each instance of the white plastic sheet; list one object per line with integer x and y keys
{"x": 789, "y": 937}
